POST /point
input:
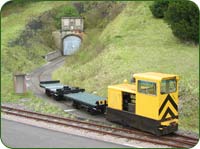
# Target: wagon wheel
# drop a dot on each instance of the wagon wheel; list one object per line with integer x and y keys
{"x": 76, "y": 105}
{"x": 91, "y": 111}
{"x": 48, "y": 93}
{"x": 103, "y": 110}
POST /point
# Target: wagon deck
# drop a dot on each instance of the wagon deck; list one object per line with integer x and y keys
{"x": 51, "y": 84}
{"x": 86, "y": 98}
{"x": 78, "y": 96}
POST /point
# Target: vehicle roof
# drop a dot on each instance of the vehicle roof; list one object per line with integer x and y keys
{"x": 155, "y": 76}
{"x": 130, "y": 88}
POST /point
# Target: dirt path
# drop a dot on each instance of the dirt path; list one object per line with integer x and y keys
{"x": 44, "y": 73}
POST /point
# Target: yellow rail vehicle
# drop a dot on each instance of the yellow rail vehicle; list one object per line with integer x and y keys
{"x": 148, "y": 104}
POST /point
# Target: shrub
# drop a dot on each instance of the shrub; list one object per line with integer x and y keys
{"x": 183, "y": 17}
{"x": 159, "y": 7}
{"x": 66, "y": 11}
{"x": 79, "y": 6}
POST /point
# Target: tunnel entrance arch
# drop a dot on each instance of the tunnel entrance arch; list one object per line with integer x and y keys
{"x": 68, "y": 39}
{"x": 71, "y": 43}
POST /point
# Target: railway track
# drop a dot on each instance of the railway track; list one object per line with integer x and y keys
{"x": 175, "y": 140}
{"x": 36, "y": 76}
{"x": 43, "y": 74}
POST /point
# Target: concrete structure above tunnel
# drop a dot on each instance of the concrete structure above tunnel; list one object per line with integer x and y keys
{"x": 72, "y": 24}
{"x": 69, "y": 38}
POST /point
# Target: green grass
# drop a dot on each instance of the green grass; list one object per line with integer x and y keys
{"x": 23, "y": 58}
{"x": 13, "y": 26}
{"x": 133, "y": 42}
{"x": 28, "y": 100}
{"x": 38, "y": 105}
{"x": 22, "y": 47}
{"x": 136, "y": 42}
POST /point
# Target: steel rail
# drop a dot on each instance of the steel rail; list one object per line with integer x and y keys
{"x": 187, "y": 137}
{"x": 89, "y": 129}
{"x": 40, "y": 71}
{"x": 191, "y": 140}
{"x": 187, "y": 142}
{"x": 86, "y": 128}
{"x": 124, "y": 130}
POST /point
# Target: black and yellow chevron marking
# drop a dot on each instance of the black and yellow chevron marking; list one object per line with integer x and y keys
{"x": 168, "y": 111}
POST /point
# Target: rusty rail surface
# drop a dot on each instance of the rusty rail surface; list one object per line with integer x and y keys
{"x": 176, "y": 140}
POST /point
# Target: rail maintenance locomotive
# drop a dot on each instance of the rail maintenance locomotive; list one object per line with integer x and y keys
{"x": 148, "y": 103}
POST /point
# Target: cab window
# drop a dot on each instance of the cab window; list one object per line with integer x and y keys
{"x": 147, "y": 87}
{"x": 168, "y": 86}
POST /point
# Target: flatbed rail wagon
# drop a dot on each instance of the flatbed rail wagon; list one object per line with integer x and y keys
{"x": 80, "y": 99}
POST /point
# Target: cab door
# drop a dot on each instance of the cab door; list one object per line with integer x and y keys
{"x": 147, "y": 99}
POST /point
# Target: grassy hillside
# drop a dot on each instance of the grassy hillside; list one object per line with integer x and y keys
{"x": 26, "y": 28}
{"x": 25, "y": 38}
{"x": 136, "y": 42}
{"x": 20, "y": 46}
{"x": 112, "y": 51}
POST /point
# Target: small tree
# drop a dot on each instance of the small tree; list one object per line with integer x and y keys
{"x": 159, "y": 7}
{"x": 183, "y": 17}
